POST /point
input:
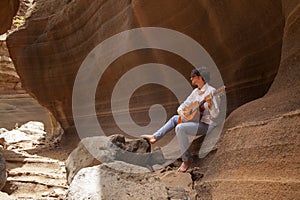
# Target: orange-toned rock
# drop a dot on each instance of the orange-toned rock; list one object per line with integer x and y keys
{"x": 16, "y": 106}
{"x": 244, "y": 39}
{"x": 8, "y": 9}
{"x": 258, "y": 156}
{"x": 10, "y": 82}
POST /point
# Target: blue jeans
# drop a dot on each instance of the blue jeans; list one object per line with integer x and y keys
{"x": 183, "y": 130}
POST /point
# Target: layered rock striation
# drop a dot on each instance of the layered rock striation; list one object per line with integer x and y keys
{"x": 16, "y": 106}
{"x": 258, "y": 156}
{"x": 10, "y": 82}
{"x": 244, "y": 39}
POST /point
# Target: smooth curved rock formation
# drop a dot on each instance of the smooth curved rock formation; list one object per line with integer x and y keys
{"x": 8, "y": 9}
{"x": 258, "y": 156}
{"x": 244, "y": 39}
{"x": 16, "y": 106}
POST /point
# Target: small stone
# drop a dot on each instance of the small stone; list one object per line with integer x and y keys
{"x": 45, "y": 194}
{"x": 59, "y": 191}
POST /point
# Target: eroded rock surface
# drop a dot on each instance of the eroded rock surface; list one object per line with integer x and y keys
{"x": 258, "y": 156}
{"x": 8, "y": 9}
{"x": 10, "y": 82}
{"x": 34, "y": 165}
{"x": 96, "y": 150}
{"x": 244, "y": 39}
{"x": 102, "y": 182}
{"x": 16, "y": 106}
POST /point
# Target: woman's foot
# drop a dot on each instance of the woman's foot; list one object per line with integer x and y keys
{"x": 184, "y": 166}
{"x": 150, "y": 138}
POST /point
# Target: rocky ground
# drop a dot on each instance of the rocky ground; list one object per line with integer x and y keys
{"x": 35, "y": 165}
{"x": 36, "y": 169}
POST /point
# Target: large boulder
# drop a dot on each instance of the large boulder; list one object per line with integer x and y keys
{"x": 102, "y": 182}
{"x": 93, "y": 151}
{"x": 81, "y": 157}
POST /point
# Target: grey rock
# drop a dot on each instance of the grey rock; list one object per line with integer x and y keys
{"x": 89, "y": 152}
{"x": 5, "y": 196}
{"x": 3, "y": 175}
{"x": 93, "y": 151}
{"x": 103, "y": 182}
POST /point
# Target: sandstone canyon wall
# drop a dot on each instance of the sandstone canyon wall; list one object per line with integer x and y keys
{"x": 10, "y": 82}
{"x": 8, "y": 9}
{"x": 16, "y": 106}
{"x": 258, "y": 156}
{"x": 244, "y": 38}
